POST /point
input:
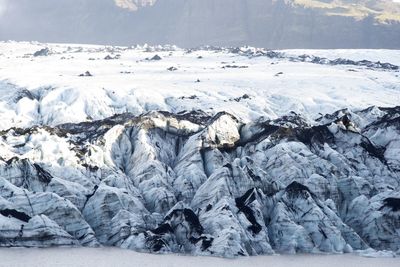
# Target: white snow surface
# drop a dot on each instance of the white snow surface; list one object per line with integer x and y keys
{"x": 47, "y": 90}
{"x": 216, "y": 180}
{"x": 118, "y": 257}
{"x": 382, "y": 55}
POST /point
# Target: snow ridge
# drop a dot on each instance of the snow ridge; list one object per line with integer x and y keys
{"x": 205, "y": 184}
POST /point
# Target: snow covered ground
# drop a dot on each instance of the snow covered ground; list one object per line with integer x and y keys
{"x": 197, "y": 152}
{"x": 105, "y": 257}
{"x": 211, "y": 80}
{"x": 392, "y": 56}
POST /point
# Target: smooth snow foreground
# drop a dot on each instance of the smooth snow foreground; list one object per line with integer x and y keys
{"x": 106, "y": 257}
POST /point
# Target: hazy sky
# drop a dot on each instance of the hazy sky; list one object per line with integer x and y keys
{"x": 3, "y": 4}
{"x": 264, "y": 23}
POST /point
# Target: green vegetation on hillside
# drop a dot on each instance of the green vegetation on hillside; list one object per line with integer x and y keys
{"x": 383, "y": 11}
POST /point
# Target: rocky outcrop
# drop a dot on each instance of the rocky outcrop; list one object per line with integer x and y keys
{"x": 206, "y": 185}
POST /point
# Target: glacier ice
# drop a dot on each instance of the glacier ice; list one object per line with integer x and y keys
{"x": 205, "y": 184}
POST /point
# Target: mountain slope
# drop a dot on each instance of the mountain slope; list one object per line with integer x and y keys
{"x": 272, "y": 24}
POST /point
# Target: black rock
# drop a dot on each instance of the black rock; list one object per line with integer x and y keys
{"x": 156, "y": 58}
{"x": 42, "y": 52}
{"x": 86, "y": 74}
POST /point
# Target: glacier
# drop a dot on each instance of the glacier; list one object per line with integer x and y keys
{"x": 231, "y": 152}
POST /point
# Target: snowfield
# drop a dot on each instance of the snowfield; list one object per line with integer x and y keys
{"x": 115, "y": 257}
{"x": 124, "y": 81}
{"x": 214, "y": 152}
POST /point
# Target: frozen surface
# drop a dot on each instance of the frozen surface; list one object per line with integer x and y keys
{"x": 105, "y": 257}
{"x": 42, "y": 83}
{"x": 205, "y": 185}
{"x": 375, "y": 55}
{"x": 213, "y": 151}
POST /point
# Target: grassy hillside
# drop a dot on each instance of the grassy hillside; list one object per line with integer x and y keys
{"x": 383, "y": 11}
